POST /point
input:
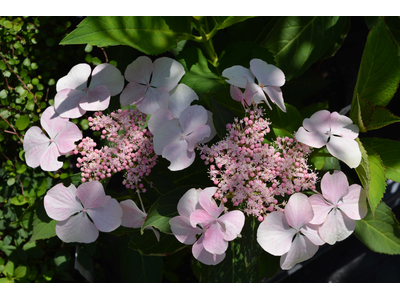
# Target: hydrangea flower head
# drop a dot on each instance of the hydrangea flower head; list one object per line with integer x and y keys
{"x": 44, "y": 151}
{"x": 74, "y": 97}
{"x": 289, "y": 233}
{"x": 150, "y": 83}
{"x": 269, "y": 80}
{"x": 335, "y": 131}
{"x": 199, "y": 214}
{"x": 339, "y": 208}
{"x": 73, "y": 206}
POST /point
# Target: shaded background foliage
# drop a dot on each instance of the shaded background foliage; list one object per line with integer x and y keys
{"x": 321, "y": 74}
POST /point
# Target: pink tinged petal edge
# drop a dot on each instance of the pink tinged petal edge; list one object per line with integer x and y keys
{"x": 109, "y": 76}
{"x": 204, "y": 256}
{"x": 274, "y": 234}
{"x": 108, "y": 217}
{"x": 77, "y": 229}
{"x": 66, "y": 103}
{"x": 343, "y": 126}
{"x": 267, "y": 74}
{"x": 35, "y": 144}
{"x": 354, "y": 204}
{"x": 237, "y": 76}
{"x": 197, "y": 135}
{"x": 154, "y": 99}
{"x": 60, "y": 202}
{"x": 76, "y": 78}
{"x": 180, "y": 98}
{"x": 336, "y": 227}
{"x": 132, "y": 94}
{"x": 208, "y": 203}
{"x": 48, "y": 160}
{"x": 189, "y": 202}
{"x": 319, "y": 121}
{"x": 132, "y": 216}
{"x": 236, "y": 94}
{"x": 200, "y": 216}
{"x": 167, "y": 73}
{"x": 179, "y": 156}
{"x": 298, "y": 211}
{"x": 52, "y": 122}
{"x": 346, "y": 150}
{"x": 96, "y": 99}
{"x": 311, "y": 232}
{"x": 321, "y": 209}
{"x": 314, "y": 139}
{"x": 334, "y": 186}
{"x": 66, "y": 138}
{"x": 236, "y": 220}
{"x": 254, "y": 93}
{"x": 301, "y": 250}
{"x": 92, "y": 194}
{"x": 139, "y": 70}
{"x": 275, "y": 95}
{"x": 212, "y": 128}
{"x": 183, "y": 231}
{"x": 214, "y": 240}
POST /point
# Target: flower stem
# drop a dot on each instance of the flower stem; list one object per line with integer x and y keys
{"x": 206, "y": 40}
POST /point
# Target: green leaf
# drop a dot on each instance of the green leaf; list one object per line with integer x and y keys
{"x": 284, "y": 123}
{"x": 379, "y": 72}
{"x": 164, "y": 209}
{"x": 298, "y": 42}
{"x": 372, "y": 175}
{"x": 389, "y": 152}
{"x": 22, "y": 122}
{"x": 393, "y": 28}
{"x": 151, "y": 35}
{"x": 198, "y": 75}
{"x": 20, "y": 272}
{"x": 380, "y": 233}
{"x": 221, "y": 116}
{"x": 43, "y": 226}
{"x": 224, "y": 22}
{"x": 224, "y": 98}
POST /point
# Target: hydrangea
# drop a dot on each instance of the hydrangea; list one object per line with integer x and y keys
{"x": 44, "y": 151}
{"x": 289, "y": 234}
{"x": 200, "y": 214}
{"x": 150, "y": 83}
{"x": 339, "y": 207}
{"x": 269, "y": 80}
{"x": 253, "y": 174}
{"x": 74, "y": 97}
{"x": 73, "y": 206}
{"x": 335, "y": 131}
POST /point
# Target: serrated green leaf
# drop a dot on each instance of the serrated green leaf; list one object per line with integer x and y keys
{"x": 298, "y": 42}
{"x": 151, "y": 35}
{"x": 389, "y": 152}
{"x": 379, "y": 72}
{"x": 224, "y": 22}
{"x": 380, "y": 233}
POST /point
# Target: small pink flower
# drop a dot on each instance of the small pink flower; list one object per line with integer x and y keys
{"x": 150, "y": 83}
{"x": 74, "y": 97}
{"x": 335, "y": 131}
{"x": 289, "y": 234}
{"x": 339, "y": 208}
{"x": 73, "y": 206}
{"x": 199, "y": 214}
{"x": 44, "y": 151}
{"x": 269, "y": 80}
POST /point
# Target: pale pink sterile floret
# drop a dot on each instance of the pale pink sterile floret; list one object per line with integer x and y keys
{"x": 289, "y": 234}
{"x": 339, "y": 208}
{"x": 132, "y": 216}
{"x": 43, "y": 151}
{"x": 176, "y": 139}
{"x": 74, "y": 96}
{"x": 199, "y": 214}
{"x": 269, "y": 80}
{"x": 73, "y": 206}
{"x": 150, "y": 83}
{"x": 335, "y": 131}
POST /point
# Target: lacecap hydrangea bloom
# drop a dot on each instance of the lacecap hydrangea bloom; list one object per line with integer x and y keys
{"x": 74, "y": 96}
{"x": 73, "y": 206}
{"x": 199, "y": 214}
{"x": 43, "y": 151}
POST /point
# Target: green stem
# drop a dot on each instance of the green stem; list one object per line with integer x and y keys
{"x": 206, "y": 40}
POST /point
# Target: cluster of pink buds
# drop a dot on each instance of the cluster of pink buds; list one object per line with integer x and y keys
{"x": 254, "y": 174}
{"x": 130, "y": 148}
